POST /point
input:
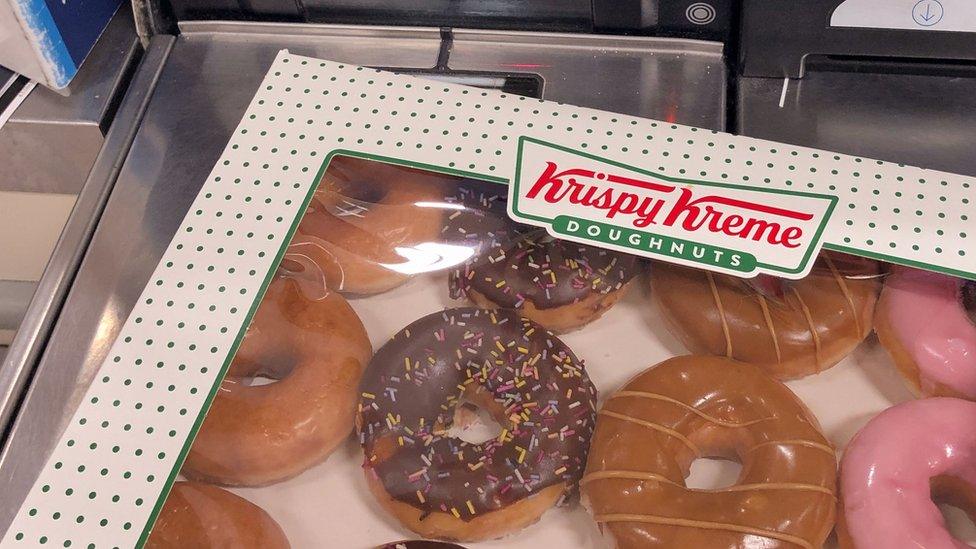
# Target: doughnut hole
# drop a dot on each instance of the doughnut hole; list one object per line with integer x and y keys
{"x": 262, "y": 365}
{"x": 724, "y": 455}
{"x": 311, "y": 276}
{"x": 713, "y": 473}
{"x": 362, "y": 192}
{"x": 473, "y": 423}
{"x": 476, "y": 405}
{"x": 957, "y": 500}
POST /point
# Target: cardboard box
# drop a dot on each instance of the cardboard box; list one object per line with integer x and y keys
{"x": 47, "y": 40}
{"x": 718, "y": 202}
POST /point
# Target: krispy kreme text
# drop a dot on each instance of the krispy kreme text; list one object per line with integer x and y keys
{"x": 691, "y": 208}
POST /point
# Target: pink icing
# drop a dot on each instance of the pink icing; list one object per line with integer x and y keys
{"x": 926, "y": 313}
{"x": 886, "y": 470}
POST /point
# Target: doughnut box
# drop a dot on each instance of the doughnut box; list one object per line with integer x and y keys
{"x": 402, "y": 309}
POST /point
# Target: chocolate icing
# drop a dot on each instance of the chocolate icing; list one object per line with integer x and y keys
{"x": 513, "y": 263}
{"x": 546, "y": 271}
{"x": 543, "y": 397}
{"x": 478, "y": 218}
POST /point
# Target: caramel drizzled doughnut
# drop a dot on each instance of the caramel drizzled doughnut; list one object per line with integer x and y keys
{"x": 204, "y": 516}
{"x": 316, "y": 348}
{"x": 559, "y": 284}
{"x": 532, "y": 384}
{"x": 789, "y": 328}
{"x": 685, "y": 408}
{"x": 364, "y": 219}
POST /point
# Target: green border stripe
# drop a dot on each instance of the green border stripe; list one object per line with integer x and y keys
{"x": 259, "y": 297}
{"x": 231, "y": 353}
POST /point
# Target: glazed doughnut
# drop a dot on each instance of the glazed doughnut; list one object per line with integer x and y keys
{"x": 905, "y": 457}
{"x": 316, "y": 348}
{"x": 363, "y": 217}
{"x": 533, "y": 385}
{"x": 788, "y": 328}
{"x": 561, "y": 285}
{"x": 200, "y": 515}
{"x": 649, "y": 433}
{"x": 927, "y": 323}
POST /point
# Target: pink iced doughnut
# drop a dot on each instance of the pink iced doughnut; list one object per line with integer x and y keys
{"x": 896, "y": 464}
{"x": 925, "y": 321}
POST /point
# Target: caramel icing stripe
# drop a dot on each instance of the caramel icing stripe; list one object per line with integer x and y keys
{"x": 813, "y": 329}
{"x": 641, "y": 475}
{"x": 656, "y": 426}
{"x": 798, "y": 486}
{"x": 769, "y": 324}
{"x": 847, "y": 293}
{"x": 800, "y": 442}
{"x": 692, "y": 409}
{"x": 627, "y": 475}
{"x": 721, "y": 314}
{"x": 705, "y": 525}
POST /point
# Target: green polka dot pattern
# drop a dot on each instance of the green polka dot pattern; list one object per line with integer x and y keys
{"x": 118, "y": 453}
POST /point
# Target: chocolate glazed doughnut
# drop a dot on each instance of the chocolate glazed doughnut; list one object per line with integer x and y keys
{"x": 650, "y": 432}
{"x": 789, "y": 328}
{"x": 532, "y": 384}
{"x": 200, "y": 515}
{"x": 316, "y": 348}
{"x": 559, "y": 284}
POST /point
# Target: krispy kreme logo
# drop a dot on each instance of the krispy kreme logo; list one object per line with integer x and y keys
{"x": 731, "y": 228}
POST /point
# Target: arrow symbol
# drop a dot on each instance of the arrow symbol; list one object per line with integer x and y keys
{"x": 927, "y": 12}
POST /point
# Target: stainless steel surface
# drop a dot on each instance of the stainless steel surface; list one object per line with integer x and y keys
{"x": 924, "y": 120}
{"x": 208, "y": 79}
{"x": 50, "y": 141}
{"x": 674, "y": 79}
{"x": 7, "y": 78}
{"x": 15, "y": 296}
{"x": 19, "y": 468}
{"x": 250, "y": 47}
{"x": 175, "y": 147}
{"x": 49, "y": 145}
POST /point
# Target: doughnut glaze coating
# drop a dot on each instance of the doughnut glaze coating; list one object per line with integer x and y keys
{"x": 559, "y": 284}
{"x": 650, "y": 431}
{"x": 365, "y": 220}
{"x": 790, "y": 328}
{"x": 204, "y": 516}
{"x": 927, "y": 323}
{"x": 316, "y": 348}
{"x": 532, "y": 384}
{"x": 898, "y": 466}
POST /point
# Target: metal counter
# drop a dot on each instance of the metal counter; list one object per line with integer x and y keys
{"x": 63, "y": 134}
{"x": 48, "y": 145}
{"x": 206, "y": 77}
{"x": 926, "y": 120}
